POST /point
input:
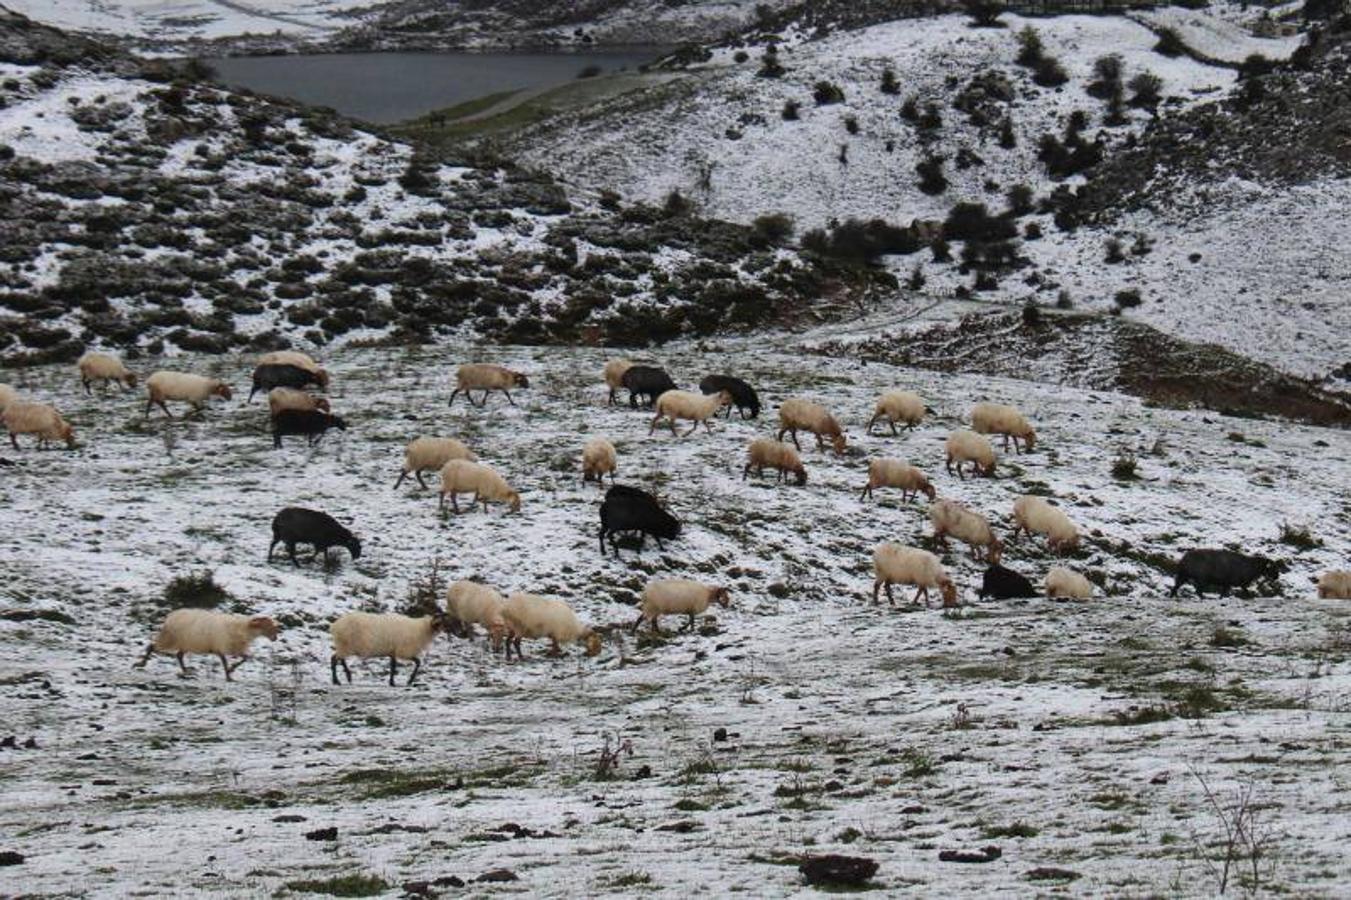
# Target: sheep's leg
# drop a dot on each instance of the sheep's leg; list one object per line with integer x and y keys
{"x": 602, "y": 540}
{"x": 877, "y": 585}
{"x": 505, "y": 391}
{"x": 149, "y": 652}
{"x": 403, "y": 475}
{"x": 745, "y": 471}
{"x": 452, "y": 397}
{"x": 867, "y": 492}
{"x": 393, "y": 667}
{"x": 894, "y": 432}
{"x": 14, "y": 439}
{"x": 182, "y": 666}
{"x": 891, "y": 599}
{"x": 653, "y": 427}
{"x": 333, "y": 668}
{"x": 674, "y": 432}
{"x": 633, "y": 629}
{"x": 291, "y": 550}
{"x": 454, "y": 502}
{"x": 555, "y": 649}
{"x": 484, "y": 402}
{"x": 86, "y": 386}
{"x": 922, "y": 592}
{"x": 695, "y": 427}
{"x": 225, "y": 664}
{"x": 689, "y": 626}
{"x": 1177, "y": 584}
{"x": 239, "y": 663}
{"x": 417, "y": 667}
{"x": 869, "y": 429}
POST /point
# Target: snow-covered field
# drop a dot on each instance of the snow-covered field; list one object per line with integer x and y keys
{"x": 179, "y": 20}
{"x": 889, "y": 733}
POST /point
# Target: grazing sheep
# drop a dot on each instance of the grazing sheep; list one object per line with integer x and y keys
{"x": 996, "y": 418}
{"x": 310, "y": 423}
{"x": 208, "y": 632}
{"x": 283, "y": 398}
{"x": 532, "y": 616}
{"x": 297, "y": 359}
{"x": 1335, "y": 585}
{"x": 598, "y": 460}
{"x": 627, "y": 509}
{"x": 375, "y": 636}
{"x": 195, "y": 390}
{"x": 294, "y": 525}
{"x": 1063, "y": 582}
{"x": 614, "y": 375}
{"x": 951, "y": 518}
{"x": 678, "y": 596}
{"x": 898, "y": 406}
{"x": 1034, "y": 514}
{"x": 105, "y": 368}
{"x": 7, "y": 396}
{"x": 767, "y": 453}
{"x": 646, "y": 381}
{"x": 469, "y": 603}
{"x": 1005, "y": 584}
{"x": 894, "y": 564}
{"x": 273, "y": 375}
{"x": 40, "y": 419}
{"x": 1222, "y": 570}
{"x": 743, "y": 395}
{"x": 674, "y": 405}
{"x": 967, "y": 446}
{"x": 429, "y": 454}
{"x": 486, "y": 377}
{"x": 460, "y": 476}
{"x": 796, "y": 413}
{"x": 898, "y": 474}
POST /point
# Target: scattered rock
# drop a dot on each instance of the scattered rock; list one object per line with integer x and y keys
{"x": 10, "y": 858}
{"x": 498, "y": 875}
{"x": 833, "y": 869}
{"x": 684, "y": 826}
{"x": 1050, "y": 873}
{"x": 289, "y": 817}
{"x": 983, "y": 855}
{"x": 720, "y": 734}
{"x": 322, "y": 834}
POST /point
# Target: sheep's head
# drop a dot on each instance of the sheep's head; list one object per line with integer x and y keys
{"x": 514, "y": 499}
{"x": 353, "y": 545}
{"x": 321, "y": 404}
{"x": 337, "y": 422}
{"x": 519, "y": 379}
{"x": 1031, "y": 437}
{"x": 838, "y": 442}
{"x": 949, "y": 592}
{"x": 321, "y": 376}
{"x": 928, "y": 491}
{"x": 1272, "y": 568}
{"x": 222, "y": 390}
{"x": 67, "y": 434}
{"x": 721, "y": 596}
{"x": 264, "y": 626}
{"x": 801, "y": 473}
{"x": 129, "y": 379}
{"x": 986, "y": 470}
{"x": 724, "y": 399}
{"x": 592, "y": 642}
{"x": 996, "y": 549}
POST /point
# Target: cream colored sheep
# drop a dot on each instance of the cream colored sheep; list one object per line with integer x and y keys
{"x": 1335, "y": 585}
{"x": 182, "y": 386}
{"x": 280, "y": 399}
{"x": 898, "y": 406}
{"x": 297, "y": 359}
{"x": 673, "y": 405}
{"x": 40, "y": 419}
{"x": 375, "y": 636}
{"x": 598, "y": 460}
{"x": 7, "y": 396}
{"x": 997, "y": 418}
{"x": 894, "y": 564}
{"x": 460, "y": 476}
{"x": 951, "y": 518}
{"x": 532, "y": 616}
{"x": 767, "y": 453}
{"x": 1063, "y": 582}
{"x": 1034, "y": 514}
{"x": 967, "y": 446}
{"x": 211, "y": 633}
{"x": 614, "y": 375}
{"x": 105, "y": 368}
{"x": 898, "y": 474}
{"x": 430, "y": 454}
{"x": 797, "y": 414}
{"x": 470, "y": 603}
{"x": 678, "y": 596}
{"x": 486, "y": 377}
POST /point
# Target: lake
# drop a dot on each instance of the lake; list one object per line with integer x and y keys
{"x": 393, "y": 87}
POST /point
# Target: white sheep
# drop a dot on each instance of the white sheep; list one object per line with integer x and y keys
{"x": 1063, "y": 582}
{"x": 898, "y": 406}
{"x": 105, "y": 368}
{"x": 895, "y": 564}
{"x": 1034, "y": 514}
{"x": 614, "y": 375}
{"x": 7, "y": 396}
{"x": 297, "y": 359}
{"x": 997, "y": 418}
{"x": 469, "y": 603}
{"x": 532, "y": 616}
{"x": 797, "y": 414}
{"x": 673, "y": 405}
{"x": 1335, "y": 585}
{"x": 183, "y": 386}
{"x": 767, "y": 453}
{"x": 280, "y": 399}
{"x": 898, "y": 474}
{"x": 212, "y": 633}
{"x": 460, "y": 476}
{"x": 967, "y": 446}
{"x": 40, "y": 419}
{"x": 377, "y": 635}
{"x": 486, "y": 377}
{"x": 598, "y": 460}
{"x": 951, "y": 518}
{"x": 678, "y": 596}
{"x": 430, "y": 454}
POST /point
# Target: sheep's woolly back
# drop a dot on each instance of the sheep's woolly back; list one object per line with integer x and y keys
{"x": 598, "y": 458}
{"x": 899, "y": 474}
{"x": 533, "y": 616}
{"x": 1035, "y": 514}
{"x": 280, "y": 399}
{"x": 689, "y": 405}
{"x": 460, "y": 476}
{"x": 7, "y": 396}
{"x": 969, "y": 446}
{"x": 901, "y": 406}
{"x": 998, "y": 418}
{"x": 908, "y": 565}
{"x": 669, "y": 596}
{"x": 1063, "y": 582}
{"x": 207, "y": 631}
{"x": 40, "y": 419}
{"x": 614, "y": 372}
{"x": 478, "y": 604}
{"x": 184, "y": 386}
{"x": 950, "y": 517}
{"x": 1335, "y": 585}
{"x": 774, "y": 454}
{"x": 101, "y": 366}
{"x": 798, "y": 413}
{"x": 372, "y": 635}
{"x": 432, "y": 453}
{"x": 290, "y": 358}
{"x": 485, "y": 376}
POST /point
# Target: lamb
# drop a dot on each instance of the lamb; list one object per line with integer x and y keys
{"x": 486, "y": 377}
{"x": 294, "y": 525}
{"x": 598, "y": 460}
{"x": 627, "y": 509}
{"x": 1222, "y": 570}
{"x": 7, "y": 396}
{"x": 105, "y": 368}
{"x": 429, "y": 454}
{"x": 282, "y": 398}
{"x": 1063, "y": 582}
{"x": 898, "y": 406}
{"x": 469, "y": 603}
{"x": 646, "y": 381}
{"x": 195, "y": 390}
{"x": 967, "y": 446}
{"x": 767, "y": 453}
{"x": 40, "y": 419}
{"x": 460, "y": 476}
{"x": 614, "y": 375}
{"x": 674, "y": 405}
{"x": 532, "y": 616}
{"x": 951, "y": 518}
{"x": 1005, "y": 584}
{"x": 996, "y": 418}
{"x": 311, "y": 423}
{"x": 678, "y": 596}
{"x": 898, "y": 474}
{"x": 894, "y": 564}
{"x": 274, "y": 375}
{"x": 743, "y": 395}
{"x": 1335, "y": 585}
{"x": 374, "y": 636}
{"x": 208, "y": 632}
{"x": 1034, "y": 514}
{"x": 796, "y": 413}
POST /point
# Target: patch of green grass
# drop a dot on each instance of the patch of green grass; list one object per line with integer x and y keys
{"x": 380, "y": 783}
{"x": 201, "y": 800}
{"x": 1143, "y": 715}
{"x": 1224, "y": 637}
{"x": 354, "y": 885}
{"x": 1198, "y": 701}
{"x": 917, "y": 763}
{"x": 688, "y": 804}
{"x": 1299, "y": 536}
{"x": 629, "y": 880}
{"x": 1018, "y": 829}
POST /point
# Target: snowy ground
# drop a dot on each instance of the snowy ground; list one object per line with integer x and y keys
{"x": 178, "y": 20}
{"x": 890, "y": 733}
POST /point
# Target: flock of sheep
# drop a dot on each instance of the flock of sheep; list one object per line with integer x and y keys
{"x": 625, "y": 512}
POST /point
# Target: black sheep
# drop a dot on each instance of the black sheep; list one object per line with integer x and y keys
{"x": 273, "y": 375}
{"x": 628, "y": 509}
{"x": 310, "y": 422}
{"x": 1003, "y": 583}
{"x": 1222, "y": 570}
{"x": 294, "y": 525}
{"x": 649, "y": 381}
{"x": 743, "y": 395}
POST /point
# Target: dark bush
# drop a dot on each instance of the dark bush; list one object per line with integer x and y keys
{"x": 790, "y": 110}
{"x": 1007, "y": 138}
{"x": 1020, "y": 199}
{"x": 931, "y": 178}
{"x": 1106, "y": 76}
{"x": 774, "y": 228}
{"x": 1030, "y": 48}
{"x": 770, "y": 67}
{"x": 889, "y": 83}
{"x": 851, "y": 124}
{"x": 861, "y": 242}
{"x": 910, "y": 109}
{"x": 1170, "y": 43}
{"x": 1146, "y": 90}
{"x": 1050, "y": 73}
{"x": 1255, "y": 66}
{"x": 676, "y": 205}
{"x": 826, "y": 93}
{"x": 198, "y": 590}
{"x": 973, "y": 222}
{"x": 1128, "y": 299}
{"x": 985, "y": 13}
